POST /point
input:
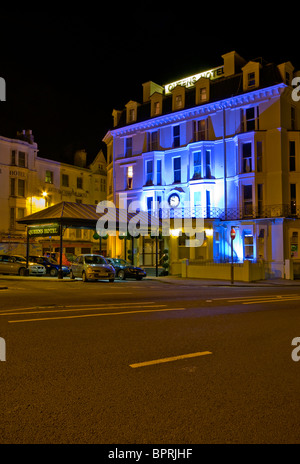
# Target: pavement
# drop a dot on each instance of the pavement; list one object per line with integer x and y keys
{"x": 168, "y": 280}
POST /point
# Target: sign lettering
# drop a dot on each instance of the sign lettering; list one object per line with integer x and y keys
{"x": 191, "y": 81}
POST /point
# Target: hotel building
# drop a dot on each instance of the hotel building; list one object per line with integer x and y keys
{"x": 29, "y": 183}
{"x": 227, "y": 141}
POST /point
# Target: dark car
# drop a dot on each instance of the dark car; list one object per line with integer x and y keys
{"x": 126, "y": 270}
{"x": 52, "y": 267}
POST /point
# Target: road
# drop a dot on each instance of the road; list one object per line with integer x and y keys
{"x": 148, "y": 363}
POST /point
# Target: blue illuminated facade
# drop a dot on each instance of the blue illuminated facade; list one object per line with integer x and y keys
{"x": 228, "y": 143}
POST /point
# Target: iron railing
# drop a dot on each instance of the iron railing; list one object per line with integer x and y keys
{"x": 230, "y": 214}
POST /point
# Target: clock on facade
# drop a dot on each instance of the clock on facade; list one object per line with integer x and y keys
{"x": 174, "y": 200}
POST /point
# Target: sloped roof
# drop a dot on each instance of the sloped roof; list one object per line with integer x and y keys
{"x": 81, "y": 215}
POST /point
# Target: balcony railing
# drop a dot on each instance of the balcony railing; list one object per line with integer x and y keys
{"x": 230, "y": 214}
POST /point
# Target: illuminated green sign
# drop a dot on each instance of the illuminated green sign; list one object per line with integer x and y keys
{"x": 44, "y": 230}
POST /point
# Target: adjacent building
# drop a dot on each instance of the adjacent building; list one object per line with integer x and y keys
{"x": 226, "y": 142}
{"x": 29, "y": 183}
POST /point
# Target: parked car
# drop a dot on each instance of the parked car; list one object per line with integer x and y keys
{"x": 17, "y": 265}
{"x": 126, "y": 270}
{"x": 92, "y": 267}
{"x": 52, "y": 267}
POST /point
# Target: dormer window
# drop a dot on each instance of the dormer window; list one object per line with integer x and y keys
{"x": 131, "y": 112}
{"x": 178, "y": 98}
{"x": 156, "y": 104}
{"x": 251, "y": 75}
{"x": 131, "y": 115}
{"x": 202, "y": 90}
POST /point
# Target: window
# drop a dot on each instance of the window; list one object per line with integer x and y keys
{"x": 197, "y": 165}
{"x": 177, "y": 170}
{"x": 158, "y": 172}
{"x": 259, "y": 156}
{"x": 20, "y": 213}
{"x": 13, "y": 158}
{"x": 152, "y": 141}
{"x": 251, "y": 79}
{"x": 22, "y": 159}
{"x": 65, "y": 180}
{"x": 247, "y": 200}
{"x": 197, "y": 203}
{"x": 178, "y": 101}
{"x": 12, "y": 187}
{"x": 129, "y": 177}
{"x": 149, "y": 172}
{"x": 149, "y": 204}
{"x": 250, "y": 119}
{"x": 203, "y": 94}
{"x": 48, "y": 201}
{"x": 248, "y": 246}
{"x": 156, "y": 108}
{"x": 207, "y": 164}
{"x": 176, "y": 136}
{"x": 49, "y": 177}
{"x": 128, "y": 147}
{"x": 293, "y": 199}
{"x": 292, "y": 155}
{"x": 247, "y": 157}
{"x": 21, "y": 188}
{"x": 131, "y": 115}
{"x": 200, "y": 130}
{"x": 208, "y": 204}
{"x": 79, "y": 182}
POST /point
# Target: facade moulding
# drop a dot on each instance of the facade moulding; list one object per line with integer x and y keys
{"x": 210, "y": 108}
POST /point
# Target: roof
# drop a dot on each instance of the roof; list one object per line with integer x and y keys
{"x": 86, "y": 216}
{"x": 220, "y": 89}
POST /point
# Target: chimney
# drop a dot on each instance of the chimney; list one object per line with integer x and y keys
{"x": 233, "y": 63}
{"x": 80, "y": 158}
{"x": 26, "y": 136}
{"x": 149, "y": 88}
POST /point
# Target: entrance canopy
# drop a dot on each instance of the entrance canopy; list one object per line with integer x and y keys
{"x": 74, "y": 215}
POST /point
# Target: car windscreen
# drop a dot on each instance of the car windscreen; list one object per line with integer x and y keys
{"x": 95, "y": 260}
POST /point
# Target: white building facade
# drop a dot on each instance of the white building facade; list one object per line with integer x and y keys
{"x": 29, "y": 183}
{"x": 227, "y": 142}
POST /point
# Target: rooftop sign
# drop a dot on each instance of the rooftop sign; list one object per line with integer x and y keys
{"x": 190, "y": 81}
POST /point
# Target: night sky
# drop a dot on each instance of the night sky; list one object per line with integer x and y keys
{"x": 65, "y": 73}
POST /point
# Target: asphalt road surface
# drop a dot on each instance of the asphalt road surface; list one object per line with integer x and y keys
{"x": 148, "y": 363}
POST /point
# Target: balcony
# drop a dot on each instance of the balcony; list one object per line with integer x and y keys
{"x": 231, "y": 214}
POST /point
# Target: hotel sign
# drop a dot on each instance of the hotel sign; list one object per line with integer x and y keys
{"x": 190, "y": 81}
{"x": 44, "y": 230}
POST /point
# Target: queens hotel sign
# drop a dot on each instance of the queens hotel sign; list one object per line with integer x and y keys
{"x": 190, "y": 81}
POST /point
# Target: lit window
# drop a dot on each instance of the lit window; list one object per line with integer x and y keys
{"x": 203, "y": 94}
{"x": 49, "y": 177}
{"x": 129, "y": 177}
{"x": 157, "y": 108}
{"x": 178, "y": 101}
{"x": 248, "y": 246}
{"x": 247, "y": 158}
